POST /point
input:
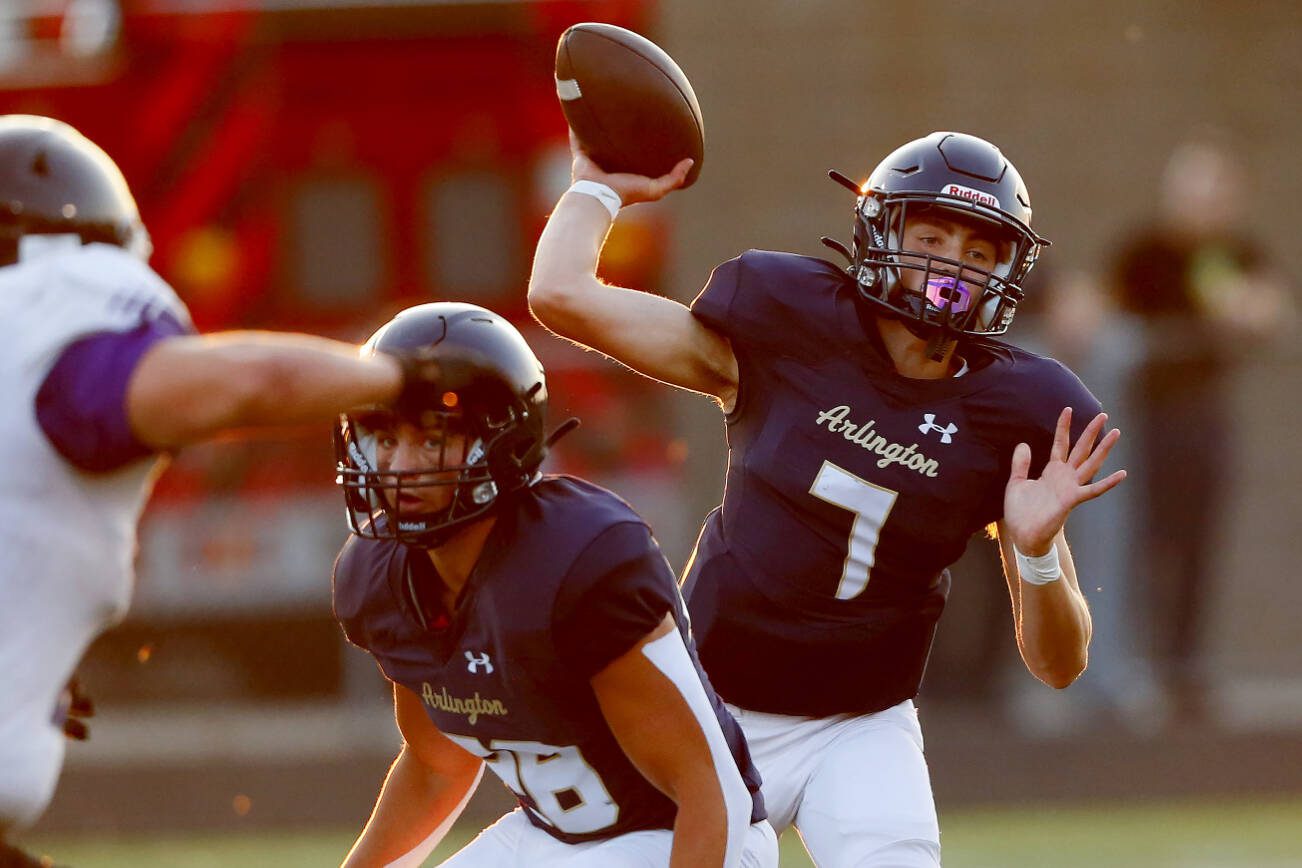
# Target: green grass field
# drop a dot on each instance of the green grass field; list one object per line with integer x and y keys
{"x": 1265, "y": 834}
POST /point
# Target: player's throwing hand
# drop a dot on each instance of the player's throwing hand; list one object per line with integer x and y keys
{"x": 631, "y": 188}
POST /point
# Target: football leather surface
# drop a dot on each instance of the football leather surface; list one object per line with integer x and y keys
{"x": 627, "y": 101}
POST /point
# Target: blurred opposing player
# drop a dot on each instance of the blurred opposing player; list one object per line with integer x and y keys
{"x": 874, "y": 427}
{"x": 103, "y": 375}
{"x": 529, "y": 622}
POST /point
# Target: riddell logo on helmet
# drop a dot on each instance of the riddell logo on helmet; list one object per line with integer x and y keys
{"x": 971, "y": 195}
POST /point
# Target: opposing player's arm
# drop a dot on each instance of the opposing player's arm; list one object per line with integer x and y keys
{"x": 657, "y": 708}
{"x": 653, "y": 335}
{"x": 425, "y": 791}
{"x": 187, "y": 388}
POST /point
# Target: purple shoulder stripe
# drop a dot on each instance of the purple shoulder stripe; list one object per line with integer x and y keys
{"x": 81, "y": 405}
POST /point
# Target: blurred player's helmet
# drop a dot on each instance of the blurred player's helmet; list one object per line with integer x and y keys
{"x": 967, "y": 179}
{"x": 54, "y": 180}
{"x": 483, "y": 384}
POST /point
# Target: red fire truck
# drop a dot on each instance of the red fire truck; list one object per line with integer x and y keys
{"x": 317, "y": 165}
{"x": 316, "y": 161}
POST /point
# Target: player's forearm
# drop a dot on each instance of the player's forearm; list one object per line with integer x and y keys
{"x": 312, "y": 378}
{"x": 563, "y": 282}
{"x": 1054, "y": 632}
{"x": 703, "y": 827}
{"x": 187, "y": 389}
{"x": 655, "y": 336}
{"x": 699, "y": 834}
{"x": 416, "y": 808}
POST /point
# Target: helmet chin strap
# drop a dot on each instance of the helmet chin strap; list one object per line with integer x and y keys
{"x": 939, "y": 340}
{"x": 938, "y": 344}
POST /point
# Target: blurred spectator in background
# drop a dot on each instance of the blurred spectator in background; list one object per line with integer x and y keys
{"x": 1204, "y": 295}
{"x": 1071, "y": 316}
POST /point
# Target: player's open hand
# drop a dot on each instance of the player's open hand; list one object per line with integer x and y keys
{"x": 1036, "y": 509}
{"x": 631, "y": 188}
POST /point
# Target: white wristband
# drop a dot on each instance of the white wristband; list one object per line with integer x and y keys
{"x": 1040, "y": 570}
{"x": 601, "y": 193}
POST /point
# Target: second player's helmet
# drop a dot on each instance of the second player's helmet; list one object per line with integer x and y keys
{"x": 484, "y": 383}
{"x": 54, "y": 180}
{"x": 964, "y": 177}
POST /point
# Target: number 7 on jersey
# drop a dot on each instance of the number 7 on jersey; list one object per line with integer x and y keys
{"x": 871, "y": 504}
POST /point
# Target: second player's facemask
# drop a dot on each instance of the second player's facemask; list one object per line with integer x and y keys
{"x": 417, "y": 481}
{"x": 941, "y": 298}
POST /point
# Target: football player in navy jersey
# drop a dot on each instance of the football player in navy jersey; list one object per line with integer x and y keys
{"x": 528, "y": 622}
{"x": 103, "y": 377}
{"x": 875, "y": 425}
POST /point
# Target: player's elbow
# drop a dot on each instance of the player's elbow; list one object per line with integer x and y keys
{"x": 550, "y": 300}
{"x": 560, "y": 305}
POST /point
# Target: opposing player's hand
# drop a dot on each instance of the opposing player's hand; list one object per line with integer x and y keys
{"x": 422, "y": 377}
{"x": 1036, "y": 509}
{"x": 631, "y": 188}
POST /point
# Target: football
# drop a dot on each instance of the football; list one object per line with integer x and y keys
{"x": 630, "y": 106}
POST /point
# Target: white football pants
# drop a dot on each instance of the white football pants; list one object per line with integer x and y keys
{"x": 513, "y": 840}
{"x": 855, "y": 787}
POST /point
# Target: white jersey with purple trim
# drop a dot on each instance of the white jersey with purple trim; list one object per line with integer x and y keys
{"x": 67, "y": 538}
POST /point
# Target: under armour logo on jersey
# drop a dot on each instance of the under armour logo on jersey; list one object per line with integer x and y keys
{"x": 946, "y": 432}
{"x": 473, "y": 663}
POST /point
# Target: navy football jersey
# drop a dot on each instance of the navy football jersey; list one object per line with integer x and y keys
{"x": 816, "y": 586}
{"x": 570, "y": 579}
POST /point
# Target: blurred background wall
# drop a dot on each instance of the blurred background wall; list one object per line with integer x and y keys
{"x": 319, "y": 165}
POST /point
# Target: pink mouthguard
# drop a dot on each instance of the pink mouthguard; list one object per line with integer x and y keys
{"x": 949, "y": 290}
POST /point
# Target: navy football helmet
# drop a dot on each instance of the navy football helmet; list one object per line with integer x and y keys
{"x": 966, "y": 179}
{"x": 54, "y": 180}
{"x": 482, "y": 400}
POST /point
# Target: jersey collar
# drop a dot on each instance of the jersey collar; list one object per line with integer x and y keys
{"x": 983, "y": 364}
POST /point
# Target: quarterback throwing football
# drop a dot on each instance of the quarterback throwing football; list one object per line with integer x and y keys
{"x": 875, "y": 425}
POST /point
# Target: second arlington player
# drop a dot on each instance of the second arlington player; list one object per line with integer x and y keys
{"x": 528, "y": 622}
{"x": 874, "y": 427}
